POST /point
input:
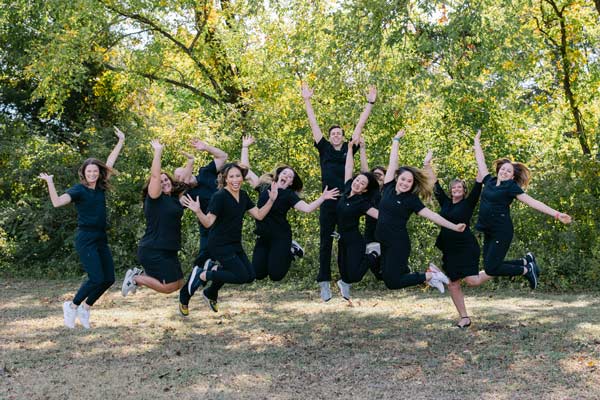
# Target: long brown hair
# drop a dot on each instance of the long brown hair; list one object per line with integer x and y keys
{"x": 422, "y": 183}
{"x": 522, "y": 175}
{"x": 225, "y": 170}
{"x": 105, "y": 173}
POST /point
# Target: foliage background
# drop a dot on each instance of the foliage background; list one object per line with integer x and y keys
{"x": 526, "y": 72}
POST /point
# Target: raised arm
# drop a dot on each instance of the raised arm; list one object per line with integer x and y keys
{"x": 154, "y": 187}
{"x": 481, "y": 166}
{"x": 362, "y": 120}
{"x": 112, "y": 158}
{"x": 541, "y": 207}
{"x": 364, "y": 163}
{"x": 349, "y": 168}
{"x": 427, "y": 165}
{"x": 312, "y": 119}
{"x": 219, "y": 156}
{"x": 390, "y": 174}
{"x": 261, "y": 213}
{"x": 57, "y": 201}
{"x": 194, "y": 204}
{"x": 441, "y": 221}
{"x": 251, "y": 177}
{"x": 326, "y": 195}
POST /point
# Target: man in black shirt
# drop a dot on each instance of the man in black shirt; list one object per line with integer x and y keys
{"x": 332, "y": 157}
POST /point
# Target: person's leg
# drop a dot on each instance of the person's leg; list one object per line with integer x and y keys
{"x": 458, "y": 299}
{"x": 358, "y": 263}
{"x": 279, "y": 257}
{"x": 496, "y": 246}
{"x": 108, "y": 271}
{"x": 233, "y": 270}
{"x": 156, "y": 285}
{"x": 86, "y": 246}
{"x": 162, "y": 270}
{"x": 260, "y": 257}
{"x": 394, "y": 261}
{"x": 327, "y": 222}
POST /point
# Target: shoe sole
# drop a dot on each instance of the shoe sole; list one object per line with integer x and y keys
{"x": 186, "y": 313}
{"x": 195, "y": 272}
{"x": 128, "y": 278}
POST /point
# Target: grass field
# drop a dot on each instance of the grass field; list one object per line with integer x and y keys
{"x": 270, "y": 343}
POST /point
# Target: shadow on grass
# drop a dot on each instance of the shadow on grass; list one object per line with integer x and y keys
{"x": 278, "y": 344}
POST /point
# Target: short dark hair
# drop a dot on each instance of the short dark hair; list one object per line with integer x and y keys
{"x": 332, "y": 127}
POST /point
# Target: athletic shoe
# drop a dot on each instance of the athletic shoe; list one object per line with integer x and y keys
{"x": 531, "y": 276}
{"x": 344, "y": 289}
{"x": 84, "y": 316}
{"x": 184, "y": 310}
{"x": 211, "y": 303}
{"x": 325, "y": 291}
{"x": 336, "y": 235}
{"x": 436, "y": 283}
{"x": 530, "y": 259}
{"x": 297, "y": 250}
{"x": 373, "y": 247}
{"x": 437, "y": 272}
{"x": 129, "y": 285}
{"x": 69, "y": 314}
{"x": 195, "y": 282}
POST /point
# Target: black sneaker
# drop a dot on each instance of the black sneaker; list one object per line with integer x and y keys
{"x": 195, "y": 282}
{"x": 530, "y": 259}
{"x": 296, "y": 249}
{"x": 211, "y": 303}
{"x": 531, "y": 276}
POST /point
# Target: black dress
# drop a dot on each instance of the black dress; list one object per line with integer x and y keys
{"x": 460, "y": 250}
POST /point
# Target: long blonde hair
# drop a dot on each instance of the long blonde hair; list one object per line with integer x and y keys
{"x": 422, "y": 183}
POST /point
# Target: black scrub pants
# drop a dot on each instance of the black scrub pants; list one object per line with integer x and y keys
{"x": 352, "y": 260}
{"x": 272, "y": 257}
{"x": 394, "y": 263}
{"x": 92, "y": 247}
{"x": 496, "y": 242}
{"x": 327, "y": 222}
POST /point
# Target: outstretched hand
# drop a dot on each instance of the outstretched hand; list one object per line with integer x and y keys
{"x": 428, "y": 158}
{"x": 247, "y": 140}
{"x": 372, "y": 94}
{"x": 273, "y": 191}
{"x": 565, "y": 218}
{"x": 156, "y": 145}
{"x": 330, "y": 194}
{"x": 119, "y": 133}
{"x": 399, "y": 134}
{"x": 190, "y": 203}
{"x": 46, "y": 177}
{"x": 199, "y": 145}
{"x": 306, "y": 91}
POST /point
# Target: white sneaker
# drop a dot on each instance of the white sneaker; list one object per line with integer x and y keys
{"x": 325, "y": 291}
{"x": 136, "y": 271}
{"x": 129, "y": 285}
{"x": 373, "y": 247}
{"x": 84, "y": 316}
{"x": 434, "y": 282}
{"x": 344, "y": 289}
{"x": 69, "y": 314}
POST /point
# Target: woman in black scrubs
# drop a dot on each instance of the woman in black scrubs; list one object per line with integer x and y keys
{"x": 460, "y": 250}
{"x": 400, "y": 198}
{"x": 494, "y": 216}
{"x": 272, "y": 256}
{"x": 355, "y": 258}
{"x": 157, "y": 250}
{"x": 91, "y": 241}
{"x": 225, "y": 218}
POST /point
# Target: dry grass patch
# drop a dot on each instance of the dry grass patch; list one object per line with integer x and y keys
{"x": 279, "y": 344}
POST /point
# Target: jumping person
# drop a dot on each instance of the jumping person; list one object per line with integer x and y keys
{"x": 494, "y": 216}
{"x": 370, "y": 223}
{"x": 203, "y": 186}
{"x": 225, "y": 218}
{"x": 272, "y": 257}
{"x": 332, "y": 158}
{"x": 90, "y": 240}
{"x": 399, "y": 199}
{"x": 157, "y": 250}
{"x": 355, "y": 257}
{"x": 460, "y": 250}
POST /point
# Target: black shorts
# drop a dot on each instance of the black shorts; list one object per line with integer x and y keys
{"x": 160, "y": 264}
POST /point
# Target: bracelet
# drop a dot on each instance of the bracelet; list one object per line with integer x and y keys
{"x": 396, "y": 139}
{"x": 370, "y": 102}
